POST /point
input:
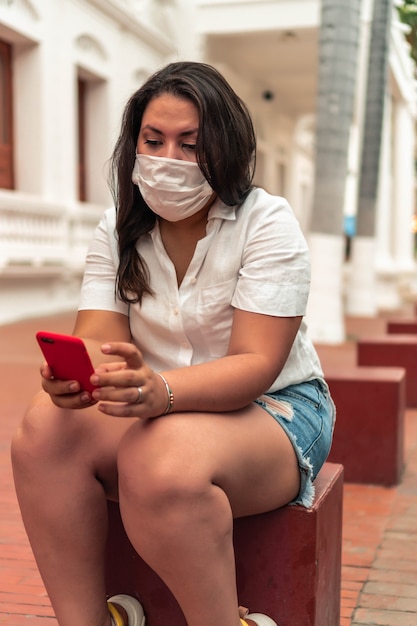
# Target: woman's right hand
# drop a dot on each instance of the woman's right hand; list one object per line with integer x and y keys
{"x": 65, "y": 394}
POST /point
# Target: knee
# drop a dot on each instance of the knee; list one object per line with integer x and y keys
{"x": 37, "y": 437}
{"x": 159, "y": 483}
{"x": 155, "y": 486}
{"x": 165, "y": 488}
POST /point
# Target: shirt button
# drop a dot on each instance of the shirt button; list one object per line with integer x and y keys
{"x": 193, "y": 280}
{"x": 175, "y": 311}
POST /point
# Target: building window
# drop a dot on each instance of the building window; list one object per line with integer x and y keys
{"x": 82, "y": 183}
{"x": 92, "y": 126}
{"x": 6, "y": 128}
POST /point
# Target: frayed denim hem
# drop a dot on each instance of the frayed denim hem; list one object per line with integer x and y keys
{"x": 306, "y": 413}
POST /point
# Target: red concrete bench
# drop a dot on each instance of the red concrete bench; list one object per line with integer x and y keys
{"x": 369, "y": 433}
{"x": 402, "y": 325}
{"x": 288, "y": 562}
{"x": 392, "y": 351}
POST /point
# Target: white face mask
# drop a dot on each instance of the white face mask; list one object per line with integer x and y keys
{"x": 172, "y": 188}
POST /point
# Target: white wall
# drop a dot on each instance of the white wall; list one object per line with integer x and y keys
{"x": 54, "y": 42}
{"x": 115, "y": 45}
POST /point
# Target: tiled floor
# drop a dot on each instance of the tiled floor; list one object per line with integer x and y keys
{"x": 379, "y": 552}
{"x": 379, "y": 577}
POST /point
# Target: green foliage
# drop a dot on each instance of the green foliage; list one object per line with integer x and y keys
{"x": 408, "y": 15}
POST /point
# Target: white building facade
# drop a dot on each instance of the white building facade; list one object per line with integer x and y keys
{"x": 67, "y": 68}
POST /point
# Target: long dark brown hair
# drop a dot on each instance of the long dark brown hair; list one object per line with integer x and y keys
{"x": 225, "y": 152}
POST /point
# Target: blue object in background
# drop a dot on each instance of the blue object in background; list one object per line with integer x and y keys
{"x": 349, "y": 225}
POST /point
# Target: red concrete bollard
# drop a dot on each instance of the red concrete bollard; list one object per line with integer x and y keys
{"x": 288, "y": 562}
{"x": 369, "y": 433}
{"x": 402, "y": 326}
{"x": 392, "y": 351}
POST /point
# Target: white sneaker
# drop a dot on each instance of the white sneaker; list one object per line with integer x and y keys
{"x": 133, "y": 608}
{"x": 260, "y": 619}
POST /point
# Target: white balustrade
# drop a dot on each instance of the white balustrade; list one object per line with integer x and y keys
{"x": 35, "y": 234}
{"x": 42, "y": 254}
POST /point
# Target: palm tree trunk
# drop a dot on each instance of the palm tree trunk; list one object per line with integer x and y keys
{"x": 362, "y": 291}
{"x": 337, "y": 80}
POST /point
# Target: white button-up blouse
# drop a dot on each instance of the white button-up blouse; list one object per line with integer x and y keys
{"x": 253, "y": 257}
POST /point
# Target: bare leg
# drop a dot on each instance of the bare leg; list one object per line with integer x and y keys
{"x": 64, "y": 462}
{"x": 182, "y": 478}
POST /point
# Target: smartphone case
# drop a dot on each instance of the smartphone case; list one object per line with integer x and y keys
{"x": 67, "y": 357}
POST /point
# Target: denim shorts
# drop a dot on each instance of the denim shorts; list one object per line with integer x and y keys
{"x": 307, "y": 414}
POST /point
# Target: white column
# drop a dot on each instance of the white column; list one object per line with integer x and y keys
{"x": 325, "y": 318}
{"x": 394, "y": 252}
{"x": 268, "y": 167}
{"x": 59, "y": 105}
{"x": 360, "y": 288}
{"x": 384, "y": 259}
{"x": 356, "y": 132}
{"x": 387, "y": 296}
{"x": 403, "y": 192}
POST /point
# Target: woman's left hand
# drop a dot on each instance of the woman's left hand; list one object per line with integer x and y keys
{"x": 128, "y": 388}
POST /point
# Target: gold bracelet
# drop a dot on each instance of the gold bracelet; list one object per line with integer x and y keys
{"x": 169, "y": 393}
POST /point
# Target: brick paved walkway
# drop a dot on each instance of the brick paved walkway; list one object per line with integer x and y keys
{"x": 379, "y": 553}
{"x": 379, "y": 577}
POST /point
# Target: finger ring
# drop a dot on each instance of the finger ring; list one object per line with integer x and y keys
{"x": 139, "y": 398}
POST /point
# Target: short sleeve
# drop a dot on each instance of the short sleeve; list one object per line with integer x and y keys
{"x": 98, "y": 289}
{"x": 274, "y": 278}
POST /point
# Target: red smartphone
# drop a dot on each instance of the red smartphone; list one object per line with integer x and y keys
{"x": 67, "y": 357}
